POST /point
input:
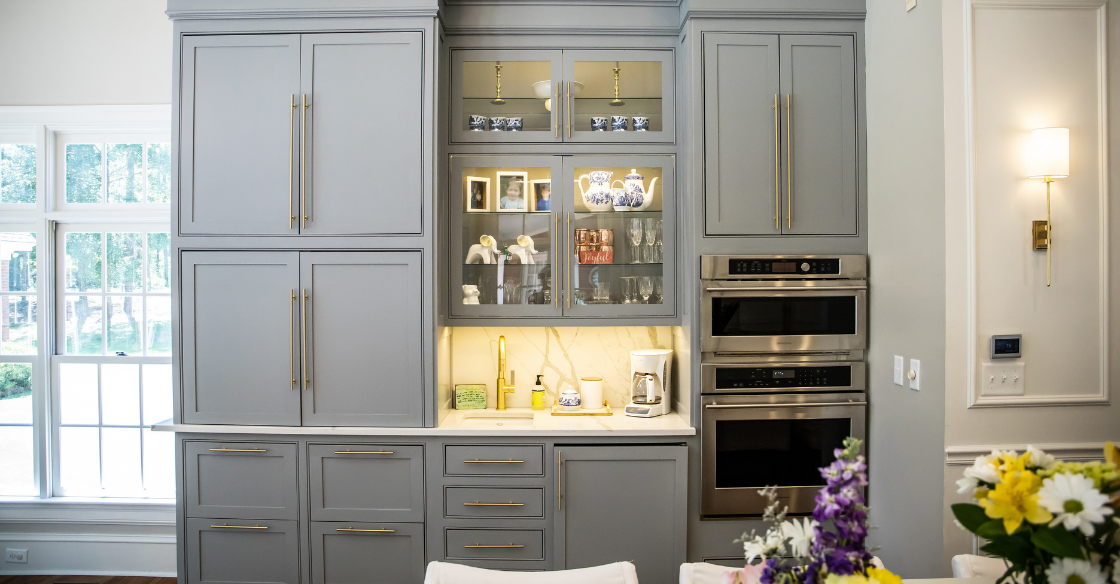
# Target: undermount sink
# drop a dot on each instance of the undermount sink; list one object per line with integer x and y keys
{"x": 492, "y": 419}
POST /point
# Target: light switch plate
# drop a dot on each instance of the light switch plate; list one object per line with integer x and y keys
{"x": 1003, "y": 378}
{"x": 898, "y": 374}
{"x": 916, "y": 369}
{"x": 911, "y": 4}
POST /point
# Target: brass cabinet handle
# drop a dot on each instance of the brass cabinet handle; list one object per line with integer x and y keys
{"x": 789, "y": 160}
{"x": 238, "y": 450}
{"x": 291, "y": 334}
{"x": 571, "y": 252}
{"x": 777, "y": 168}
{"x": 363, "y": 452}
{"x": 303, "y": 341}
{"x": 228, "y": 526}
{"x": 480, "y": 546}
{"x": 568, "y": 109}
{"x": 555, "y": 292}
{"x": 291, "y": 161}
{"x": 556, "y": 108}
{"x": 559, "y": 480}
{"x": 352, "y": 530}
{"x": 477, "y": 504}
{"x": 477, "y": 461}
{"x": 303, "y": 165}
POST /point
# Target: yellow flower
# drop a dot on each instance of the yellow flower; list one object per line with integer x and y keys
{"x": 1012, "y": 464}
{"x": 1016, "y": 499}
{"x": 853, "y": 579}
{"x": 882, "y": 576}
{"x": 1112, "y": 453}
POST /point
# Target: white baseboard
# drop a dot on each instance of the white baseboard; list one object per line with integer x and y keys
{"x": 97, "y": 554}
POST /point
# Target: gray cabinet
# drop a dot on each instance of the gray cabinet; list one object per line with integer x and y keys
{"x": 243, "y": 480}
{"x": 240, "y": 338}
{"x": 493, "y": 460}
{"x": 377, "y": 553}
{"x": 366, "y": 482}
{"x": 780, "y": 135}
{"x": 621, "y": 503}
{"x": 236, "y": 551}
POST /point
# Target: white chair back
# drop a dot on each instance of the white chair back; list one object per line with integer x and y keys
{"x": 445, "y": 573}
{"x": 970, "y": 566}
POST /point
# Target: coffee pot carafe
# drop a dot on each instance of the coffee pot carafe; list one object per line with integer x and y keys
{"x": 649, "y": 383}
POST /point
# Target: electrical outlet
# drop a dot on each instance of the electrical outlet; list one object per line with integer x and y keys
{"x": 915, "y": 374}
{"x": 14, "y": 556}
{"x": 898, "y": 370}
{"x": 1003, "y": 378}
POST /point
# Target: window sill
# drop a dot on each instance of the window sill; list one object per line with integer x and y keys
{"x": 82, "y": 510}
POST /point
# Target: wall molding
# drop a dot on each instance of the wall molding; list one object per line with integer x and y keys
{"x": 1067, "y": 451}
{"x": 1101, "y": 397}
{"x": 280, "y": 13}
{"x": 770, "y": 14}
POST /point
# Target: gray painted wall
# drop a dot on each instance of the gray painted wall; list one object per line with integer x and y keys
{"x": 906, "y": 231}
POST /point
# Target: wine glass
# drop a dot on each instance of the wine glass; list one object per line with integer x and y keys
{"x": 658, "y": 289}
{"x": 659, "y": 253}
{"x": 651, "y": 236}
{"x": 634, "y": 231}
{"x": 645, "y": 288}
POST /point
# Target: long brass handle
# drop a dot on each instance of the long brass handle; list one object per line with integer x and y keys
{"x": 291, "y": 335}
{"x": 352, "y": 530}
{"x": 789, "y": 161}
{"x": 477, "y": 504}
{"x": 303, "y": 341}
{"x": 238, "y": 450}
{"x": 559, "y": 480}
{"x": 228, "y": 526}
{"x": 794, "y": 405}
{"x": 556, "y": 108}
{"x": 571, "y": 253}
{"x": 303, "y": 165}
{"x": 568, "y": 109}
{"x": 555, "y": 296}
{"x": 478, "y": 546}
{"x": 363, "y": 451}
{"x": 477, "y": 461}
{"x": 291, "y": 161}
{"x": 782, "y": 288}
{"x": 777, "y": 168}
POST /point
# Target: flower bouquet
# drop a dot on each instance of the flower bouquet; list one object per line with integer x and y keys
{"x": 1053, "y": 522}
{"x": 828, "y": 548}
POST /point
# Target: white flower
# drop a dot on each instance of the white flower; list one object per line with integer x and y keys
{"x": 801, "y": 535}
{"x": 986, "y": 468}
{"x": 1074, "y": 501}
{"x": 1070, "y": 571}
{"x": 1040, "y": 459}
{"x": 763, "y": 547}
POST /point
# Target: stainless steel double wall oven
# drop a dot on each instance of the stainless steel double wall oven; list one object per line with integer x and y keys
{"x": 783, "y": 380}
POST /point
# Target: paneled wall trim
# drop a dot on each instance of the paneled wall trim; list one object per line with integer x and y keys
{"x": 994, "y": 187}
{"x": 1067, "y": 451}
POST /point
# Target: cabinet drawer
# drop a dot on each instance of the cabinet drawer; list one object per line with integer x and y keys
{"x": 495, "y": 544}
{"x": 486, "y": 460}
{"x": 244, "y": 480}
{"x": 353, "y": 552}
{"x": 367, "y": 482}
{"x": 494, "y": 502}
{"x": 231, "y": 551}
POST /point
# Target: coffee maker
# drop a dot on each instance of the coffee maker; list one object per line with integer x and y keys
{"x": 650, "y": 393}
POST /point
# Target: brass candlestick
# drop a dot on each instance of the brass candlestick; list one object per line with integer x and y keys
{"x": 498, "y": 72}
{"x": 616, "y": 101}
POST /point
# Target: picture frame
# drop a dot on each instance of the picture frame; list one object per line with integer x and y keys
{"x": 506, "y": 180}
{"x": 540, "y": 191}
{"x": 476, "y": 197}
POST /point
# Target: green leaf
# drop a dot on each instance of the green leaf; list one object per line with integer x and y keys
{"x": 1058, "y": 541}
{"x": 1016, "y": 549}
{"x": 971, "y": 516}
{"x": 991, "y": 529}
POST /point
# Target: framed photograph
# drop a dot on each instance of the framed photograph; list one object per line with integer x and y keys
{"x": 478, "y": 194}
{"x": 540, "y": 194}
{"x": 512, "y": 192}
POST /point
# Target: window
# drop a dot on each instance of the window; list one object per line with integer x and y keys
{"x": 90, "y": 248}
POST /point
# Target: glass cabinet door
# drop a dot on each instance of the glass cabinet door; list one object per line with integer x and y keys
{"x": 506, "y": 96}
{"x": 618, "y": 96}
{"x": 620, "y": 228}
{"x": 504, "y": 224}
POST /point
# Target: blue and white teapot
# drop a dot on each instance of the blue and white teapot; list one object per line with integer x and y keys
{"x": 597, "y": 197}
{"x": 639, "y": 199}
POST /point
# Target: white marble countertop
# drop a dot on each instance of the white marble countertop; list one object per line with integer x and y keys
{"x": 512, "y": 422}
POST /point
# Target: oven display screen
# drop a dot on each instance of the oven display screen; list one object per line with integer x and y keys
{"x": 748, "y": 378}
{"x": 783, "y": 373}
{"x": 753, "y": 316}
{"x": 783, "y": 267}
{"x": 783, "y": 453}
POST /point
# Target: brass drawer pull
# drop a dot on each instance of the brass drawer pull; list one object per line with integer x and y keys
{"x": 228, "y": 526}
{"x": 238, "y": 450}
{"x": 348, "y": 451}
{"x": 291, "y": 162}
{"x": 477, "y": 461}
{"x": 351, "y": 529}
{"x": 477, "y": 504}
{"x": 486, "y": 547}
{"x": 777, "y": 169}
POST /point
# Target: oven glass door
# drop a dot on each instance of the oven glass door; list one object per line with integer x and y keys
{"x": 776, "y": 319}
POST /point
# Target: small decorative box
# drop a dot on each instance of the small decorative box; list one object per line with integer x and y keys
{"x": 470, "y": 397}
{"x": 603, "y": 255}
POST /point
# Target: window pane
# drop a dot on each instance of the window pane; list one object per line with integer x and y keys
{"x": 159, "y": 463}
{"x": 18, "y": 332}
{"x": 159, "y": 325}
{"x": 17, "y": 173}
{"x": 17, "y": 254}
{"x": 120, "y": 394}
{"x": 17, "y": 458}
{"x": 78, "y": 393}
{"x": 15, "y": 396}
{"x": 80, "y": 460}
{"x": 125, "y": 166}
{"x": 83, "y": 173}
{"x": 159, "y": 262}
{"x": 120, "y": 459}
{"x": 83, "y": 262}
{"x": 159, "y": 172}
{"x": 157, "y": 393}
{"x": 125, "y": 261}
{"x": 125, "y": 315}
{"x": 83, "y": 325}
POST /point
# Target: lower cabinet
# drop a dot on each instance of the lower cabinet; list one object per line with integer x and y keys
{"x": 232, "y": 551}
{"x": 385, "y": 553}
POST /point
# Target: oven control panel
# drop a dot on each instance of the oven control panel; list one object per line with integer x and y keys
{"x": 782, "y": 377}
{"x": 785, "y": 265}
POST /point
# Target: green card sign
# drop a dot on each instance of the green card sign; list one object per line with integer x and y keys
{"x": 470, "y": 397}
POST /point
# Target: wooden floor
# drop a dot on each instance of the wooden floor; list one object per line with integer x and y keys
{"x": 84, "y": 580}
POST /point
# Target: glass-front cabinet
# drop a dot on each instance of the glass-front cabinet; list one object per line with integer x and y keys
{"x": 600, "y": 245}
{"x": 562, "y": 96}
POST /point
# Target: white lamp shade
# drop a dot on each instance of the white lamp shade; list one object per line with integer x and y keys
{"x": 1049, "y": 153}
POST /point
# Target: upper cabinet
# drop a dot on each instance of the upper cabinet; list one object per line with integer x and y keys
{"x": 590, "y": 96}
{"x": 780, "y": 135}
{"x": 352, "y": 160}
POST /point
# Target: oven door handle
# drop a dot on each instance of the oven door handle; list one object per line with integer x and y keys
{"x": 807, "y": 405}
{"x": 785, "y": 288}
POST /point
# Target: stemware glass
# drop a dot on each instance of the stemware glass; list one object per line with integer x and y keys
{"x": 627, "y": 289}
{"x": 634, "y": 231}
{"x": 650, "y": 229}
{"x": 658, "y": 289}
{"x": 659, "y": 252}
{"x": 645, "y": 288}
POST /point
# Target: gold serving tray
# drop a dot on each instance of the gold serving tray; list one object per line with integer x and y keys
{"x": 556, "y": 411}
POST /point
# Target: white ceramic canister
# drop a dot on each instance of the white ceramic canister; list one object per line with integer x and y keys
{"x": 591, "y": 390}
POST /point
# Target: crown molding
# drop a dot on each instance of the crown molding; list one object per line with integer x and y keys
{"x": 564, "y": 30}
{"x": 769, "y": 14}
{"x": 289, "y": 13}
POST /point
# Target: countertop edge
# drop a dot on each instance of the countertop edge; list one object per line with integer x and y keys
{"x": 366, "y": 431}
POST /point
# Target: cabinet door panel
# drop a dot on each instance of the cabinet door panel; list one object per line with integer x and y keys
{"x": 237, "y": 135}
{"x": 240, "y": 349}
{"x": 245, "y": 480}
{"x": 341, "y": 555}
{"x": 818, "y": 75}
{"x": 740, "y": 88}
{"x": 641, "y": 517}
{"x": 367, "y": 482}
{"x": 365, "y": 128}
{"x": 235, "y": 551}
{"x": 362, "y": 337}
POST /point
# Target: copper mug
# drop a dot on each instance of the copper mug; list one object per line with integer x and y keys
{"x": 606, "y": 236}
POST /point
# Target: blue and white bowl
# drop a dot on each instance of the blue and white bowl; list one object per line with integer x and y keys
{"x": 618, "y": 123}
{"x": 513, "y": 124}
{"x": 569, "y": 400}
{"x": 598, "y": 124}
{"x": 477, "y": 123}
{"x": 497, "y": 124}
{"x": 641, "y": 124}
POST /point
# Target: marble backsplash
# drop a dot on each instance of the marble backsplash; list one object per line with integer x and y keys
{"x": 561, "y": 354}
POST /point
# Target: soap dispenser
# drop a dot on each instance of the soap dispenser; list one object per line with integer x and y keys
{"x": 538, "y": 394}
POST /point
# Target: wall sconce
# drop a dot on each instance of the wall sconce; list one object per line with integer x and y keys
{"x": 1049, "y": 159}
